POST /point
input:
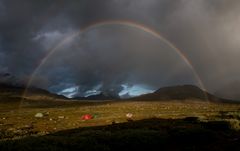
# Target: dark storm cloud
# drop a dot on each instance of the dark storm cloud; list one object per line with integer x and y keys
{"x": 210, "y": 40}
{"x": 205, "y": 30}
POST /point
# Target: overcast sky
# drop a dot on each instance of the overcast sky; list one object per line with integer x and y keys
{"x": 117, "y": 57}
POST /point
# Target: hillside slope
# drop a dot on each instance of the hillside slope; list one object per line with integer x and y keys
{"x": 11, "y": 92}
{"x": 182, "y": 92}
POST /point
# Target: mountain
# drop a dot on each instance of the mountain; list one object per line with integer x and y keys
{"x": 182, "y": 92}
{"x": 15, "y": 92}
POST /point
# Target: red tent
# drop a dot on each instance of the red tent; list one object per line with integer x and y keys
{"x": 87, "y": 117}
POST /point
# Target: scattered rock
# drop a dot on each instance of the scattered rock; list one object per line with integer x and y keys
{"x": 11, "y": 129}
{"x": 129, "y": 115}
{"x": 46, "y": 113}
{"x": 39, "y": 115}
{"x": 61, "y": 117}
{"x": 43, "y": 133}
{"x": 27, "y": 127}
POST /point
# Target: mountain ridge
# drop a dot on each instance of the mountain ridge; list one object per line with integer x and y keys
{"x": 180, "y": 92}
{"x": 17, "y": 91}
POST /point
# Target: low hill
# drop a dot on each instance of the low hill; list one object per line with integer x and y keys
{"x": 14, "y": 92}
{"x": 182, "y": 92}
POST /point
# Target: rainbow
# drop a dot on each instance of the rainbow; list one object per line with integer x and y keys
{"x": 130, "y": 24}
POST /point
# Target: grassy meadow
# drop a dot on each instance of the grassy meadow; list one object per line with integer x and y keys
{"x": 110, "y": 128}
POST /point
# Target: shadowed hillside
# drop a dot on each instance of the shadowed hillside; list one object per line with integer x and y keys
{"x": 10, "y": 92}
{"x": 183, "y": 92}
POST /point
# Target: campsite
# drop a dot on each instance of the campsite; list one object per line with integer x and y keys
{"x": 79, "y": 124}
